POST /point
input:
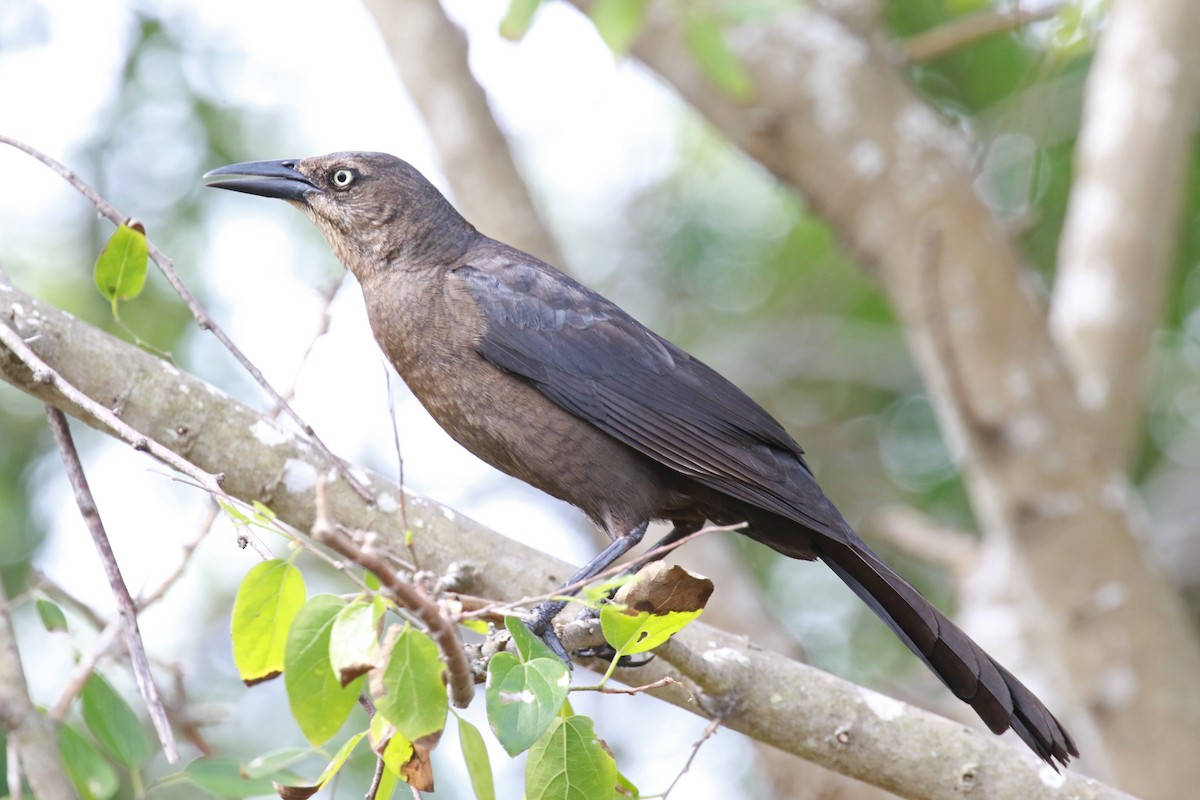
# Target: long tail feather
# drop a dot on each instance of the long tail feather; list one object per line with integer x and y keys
{"x": 1000, "y": 699}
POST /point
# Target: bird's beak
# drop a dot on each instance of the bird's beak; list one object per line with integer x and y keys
{"x": 265, "y": 178}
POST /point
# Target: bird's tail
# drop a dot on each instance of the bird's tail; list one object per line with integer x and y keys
{"x": 1000, "y": 699}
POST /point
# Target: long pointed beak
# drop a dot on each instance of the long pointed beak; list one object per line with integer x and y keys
{"x": 264, "y": 178}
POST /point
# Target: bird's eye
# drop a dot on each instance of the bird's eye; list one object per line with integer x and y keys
{"x": 342, "y": 178}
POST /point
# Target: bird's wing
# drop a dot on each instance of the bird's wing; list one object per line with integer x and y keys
{"x": 596, "y": 361}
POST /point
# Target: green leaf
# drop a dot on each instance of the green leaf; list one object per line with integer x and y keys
{"x": 270, "y": 764}
{"x": 705, "y": 38}
{"x": 596, "y": 593}
{"x": 392, "y": 747}
{"x": 528, "y": 646}
{"x": 352, "y": 642}
{"x": 523, "y": 699}
{"x": 339, "y": 759}
{"x": 53, "y": 618}
{"x": 569, "y": 763}
{"x": 120, "y": 271}
{"x": 518, "y": 18}
{"x": 388, "y": 782}
{"x": 632, "y": 634}
{"x": 626, "y": 789}
{"x": 266, "y": 604}
{"x": 396, "y": 753}
{"x": 113, "y": 723}
{"x": 318, "y": 700}
{"x": 409, "y": 691}
{"x": 618, "y": 22}
{"x": 479, "y": 766}
{"x": 225, "y": 777}
{"x": 233, "y": 511}
{"x": 263, "y": 511}
{"x": 93, "y": 776}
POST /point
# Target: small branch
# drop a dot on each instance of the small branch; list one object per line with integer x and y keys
{"x": 387, "y": 377}
{"x": 661, "y": 683}
{"x": 924, "y": 539}
{"x": 126, "y": 610}
{"x": 430, "y": 51}
{"x": 323, "y": 321}
{"x": 83, "y": 670}
{"x": 616, "y": 569}
{"x": 704, "y": 737}
{"x": 30, "y": 735}
{"x": 146, "y": 599}
{"x": 369, "y": 556}
{"x": 966, "y": 30}
{"x": 376, "y": 779}
{"x": 108, "y": 632}
{"x": 167, "y": 267}
{"x": 43, "y": 373}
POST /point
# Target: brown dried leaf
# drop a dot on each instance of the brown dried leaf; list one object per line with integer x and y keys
{"x": 660, "y": 589}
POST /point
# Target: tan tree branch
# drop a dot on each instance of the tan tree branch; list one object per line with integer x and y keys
{"x": 792, "y": 706}
{"x": 1121, "y": 233}
{"x": 31, "y": 732}
{"x": 430, "y": 51}
{"x": 834, "y": 117}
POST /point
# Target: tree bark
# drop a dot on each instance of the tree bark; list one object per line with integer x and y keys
{"x": 833, "y": 117}
{"x": 431, "y": 53}
{"x": 32, "y": 732}
{"x": 1120, "y": 237}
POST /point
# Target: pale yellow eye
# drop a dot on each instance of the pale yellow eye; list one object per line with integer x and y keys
{"x": 341, "y": 178}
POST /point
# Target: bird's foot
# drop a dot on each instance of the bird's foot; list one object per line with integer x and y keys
{"x": 607, "y": 652}
{"x": 542, "y": 626}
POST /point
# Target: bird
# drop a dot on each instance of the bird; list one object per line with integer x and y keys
{"x": 554, "y": 384}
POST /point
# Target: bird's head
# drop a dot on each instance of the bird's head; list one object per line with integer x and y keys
{"x": 376, "y": 211}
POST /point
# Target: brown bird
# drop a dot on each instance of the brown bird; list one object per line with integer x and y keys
{"x": 548, "y": 381}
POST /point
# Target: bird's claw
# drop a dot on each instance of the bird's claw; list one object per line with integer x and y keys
{"x": 542, "y": 626}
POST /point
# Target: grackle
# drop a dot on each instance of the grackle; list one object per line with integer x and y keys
{"x": 551, "y": 383}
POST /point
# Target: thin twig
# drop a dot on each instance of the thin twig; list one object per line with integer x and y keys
{"x": 103, "y": 643}
{"x": 166, "y": 266}
{"x": 126, "y": 610}
{"x": 925, "y": 539}
{"x": 704, "y": 737}
{"x": 616, "y": 569}
{"x": 43, "y": 373}
{"x": 661, "y": 683}
{"x": 387, "y": 377}
{"x": 373, "y": 790}
{"x": 74, "y": 683}
{"x": 327, "y": 296}
{"x": 369, "y": 556}
{"x": 960, "y": 32}
{"x": 145, "y": 598}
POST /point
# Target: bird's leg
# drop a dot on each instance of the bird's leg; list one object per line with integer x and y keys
{"x": 542, "y": 625}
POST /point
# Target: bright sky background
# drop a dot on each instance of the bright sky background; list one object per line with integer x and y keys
{"x": 589, "y": 136}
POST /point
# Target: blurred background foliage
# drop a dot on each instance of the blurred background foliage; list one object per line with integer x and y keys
{"x": 711, "y": 253}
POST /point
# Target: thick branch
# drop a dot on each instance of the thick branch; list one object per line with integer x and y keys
{"x": 789, "y": 705}
{"x": 32, "y": 732}
{"x": 1121, "y": 233}
{"x": 833, "y": 117}
{"x": 431, "y": 53}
